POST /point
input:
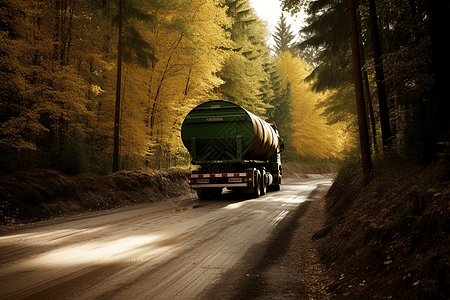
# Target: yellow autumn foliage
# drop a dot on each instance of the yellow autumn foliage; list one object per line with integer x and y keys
{"x": 156, "y": 99}
{"x": 312, "y": 136}
{"x": 184, "y": 75}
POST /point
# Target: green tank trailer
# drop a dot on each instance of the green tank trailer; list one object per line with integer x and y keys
{"x": 233, "y": 148}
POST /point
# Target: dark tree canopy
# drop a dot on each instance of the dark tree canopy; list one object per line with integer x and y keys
{"x": 413, "y": 64}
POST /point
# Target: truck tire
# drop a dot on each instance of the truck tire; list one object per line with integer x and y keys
{"x": 201, "y": 193}
{"x": 263, "y": 183}
{"x": 257, "y": 189}
{"x": 277, "y": 186}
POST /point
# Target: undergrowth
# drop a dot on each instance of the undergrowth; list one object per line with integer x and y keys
{"x": 389, "y": 239}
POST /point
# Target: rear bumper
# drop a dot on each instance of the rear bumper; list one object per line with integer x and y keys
{"x": 230, "y": 185}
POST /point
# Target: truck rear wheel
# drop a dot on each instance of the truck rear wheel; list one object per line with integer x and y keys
{"x": 263, "y": 183}
{"x": 257, "y": 189}
{"x": 277, "y": 186}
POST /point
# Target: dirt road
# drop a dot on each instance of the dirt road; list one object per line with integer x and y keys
{"x": 175, "y": 250}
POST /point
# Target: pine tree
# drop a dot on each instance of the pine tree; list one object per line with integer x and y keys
{"x": 282, "y": 110}
{"x": 283, "y": 37}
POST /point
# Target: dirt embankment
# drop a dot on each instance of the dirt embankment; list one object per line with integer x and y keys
{"x": 389, "y": 239}
{"x": 39, "y": 195}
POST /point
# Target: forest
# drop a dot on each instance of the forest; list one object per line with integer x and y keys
{"x": 95, "y": 86}
{"x": 385, "y": 62}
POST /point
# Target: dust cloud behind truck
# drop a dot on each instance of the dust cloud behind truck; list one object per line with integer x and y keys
{"x": 233, "y": 148}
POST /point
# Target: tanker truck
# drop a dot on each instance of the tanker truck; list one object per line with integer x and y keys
{"x": 233, "y": 148}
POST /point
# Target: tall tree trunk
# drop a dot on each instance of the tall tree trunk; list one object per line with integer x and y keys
{"x": 368, "y": 100}
{"x": 116, "y": 151}
{"x": 367, "y": 93}
{"x": 57, "y": 34}
{"x": 439, "y": 22}
{"x": 362, "y": 119}
{"x": 186, "y": 89}
{"x": 69, "y": 32}
{"x": 371, "y": 113}
{"x": 412, "y": 4}
{"x": 386, "y": 133}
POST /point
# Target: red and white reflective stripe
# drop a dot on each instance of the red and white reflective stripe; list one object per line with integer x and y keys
{"x": 218, "y": 175}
